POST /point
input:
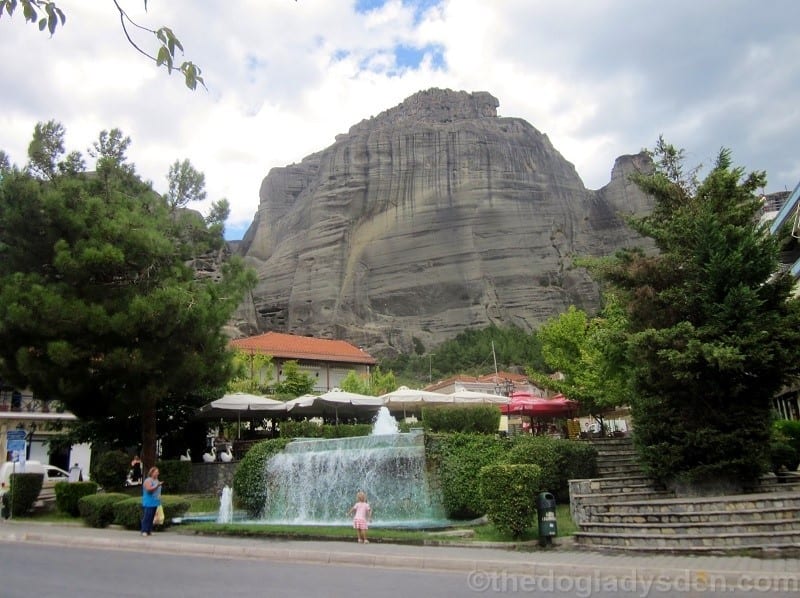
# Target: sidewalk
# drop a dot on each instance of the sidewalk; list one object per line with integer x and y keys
{"x": 709, "y": 571}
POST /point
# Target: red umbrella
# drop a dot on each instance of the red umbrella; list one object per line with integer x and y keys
{"x": 526, "y": 404}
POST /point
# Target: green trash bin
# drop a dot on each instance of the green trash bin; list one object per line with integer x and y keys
{"x": 546, "y": 514}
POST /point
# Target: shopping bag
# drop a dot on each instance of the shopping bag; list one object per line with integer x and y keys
{"x": 159, "y": 517}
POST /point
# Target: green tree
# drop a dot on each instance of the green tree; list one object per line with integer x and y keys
{"x": 45, "y": 149}
{"x": 252, "y": 372}
{"x": 5, "y": 163}
{"x": 587, "y": 352}
{"x": 294, "y": 382}
{"x": 374, "y": 384}
{"x": 110, "y": 151}
{"x": 352, "y": 382}
{"x": 713, "y": 331}
{"x": 185, "y": 184}
{"x": 98, "y": 306}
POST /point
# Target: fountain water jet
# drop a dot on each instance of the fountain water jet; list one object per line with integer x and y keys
{"x": 225, "y": 506}
{"x": 314, "y": 481}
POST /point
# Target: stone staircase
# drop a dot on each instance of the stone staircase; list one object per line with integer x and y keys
{"x": 624, "y": 511}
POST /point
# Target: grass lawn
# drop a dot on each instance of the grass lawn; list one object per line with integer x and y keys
{"x": 204, "y": 504}
{"x": 480, "y": 533}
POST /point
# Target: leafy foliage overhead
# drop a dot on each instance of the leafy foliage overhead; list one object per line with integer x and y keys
{"x": 48, "y": 16}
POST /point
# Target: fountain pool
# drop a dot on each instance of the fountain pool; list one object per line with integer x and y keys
{"x": 314, "y": 481}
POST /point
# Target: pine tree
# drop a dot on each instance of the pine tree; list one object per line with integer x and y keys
{"x": 98, "y": 307}
{"x": 713, "y": 330}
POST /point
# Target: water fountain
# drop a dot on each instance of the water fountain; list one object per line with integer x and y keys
{"x": 225, "y": 506}
{"x": 314, "y": 481}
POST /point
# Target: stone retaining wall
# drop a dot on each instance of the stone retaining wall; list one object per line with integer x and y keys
{"x": 211, "y": 478}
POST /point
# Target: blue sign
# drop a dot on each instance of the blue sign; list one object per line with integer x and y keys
{"x": 15, "y": 434}
{"x": 15, "y": 441}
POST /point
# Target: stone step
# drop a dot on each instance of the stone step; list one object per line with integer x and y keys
{"x": 634, "y": 496}
{"x": 610, "y": 484}
{"x": 674, "y": 506}
{"x": 610, "y": 440}
{"x": 709, "y": 541}
{"x": 773, "y": 484}
{"x": 721, "y": 528}
{"x": 612, "y": 471}
{"x": 604, "y": 453}
{"x": 620, "y": 456}
{"x": 697, "y": 518}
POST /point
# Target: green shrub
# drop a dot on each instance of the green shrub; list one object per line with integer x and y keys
{"x": 24, "y": 489}
{"x": 580, "y": 463}
{"x": 509, "y": 492}
{"x": 306, "y": 429}
{"x": 97, "y": 510}
{"x": 785, "y": 445}
{"x": 69, "y": 493}
{"x": 175, "y": 475}
{"x": 110, "y": 470}
{"x": 455, "y": 460}
{"x": 560, "y": 460}
{"x": 128, "y": 512}
{"x": 782, "y": 456}
{"x": 249, "y": 480}
{"x": 541, "y": 451}
{"x": 478, "y": 419}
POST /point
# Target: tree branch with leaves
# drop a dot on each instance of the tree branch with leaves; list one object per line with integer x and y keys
{"x": 48, "y": 17}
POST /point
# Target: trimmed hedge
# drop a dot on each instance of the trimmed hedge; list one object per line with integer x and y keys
{"x": 69, "y": 493}
{"x": 478, "y": 419}
{"x": 509, "y": 493}
{"x": 306, "y": 429}
{"x": 128, "y": 512}
{"x": 97, "y": 510}
{"x": 24, "y": 489}
{"x": 560, "y": 460}
{"x": 175, "y": 474}
{"x": 249, "y": 480}
{"x": 455, "y": 460}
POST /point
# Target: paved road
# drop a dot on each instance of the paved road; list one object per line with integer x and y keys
{"x": 346, "y": 567}
{"x": 61, "y": 572}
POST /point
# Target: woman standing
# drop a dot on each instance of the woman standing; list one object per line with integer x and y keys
{"x": 151, "y": 499}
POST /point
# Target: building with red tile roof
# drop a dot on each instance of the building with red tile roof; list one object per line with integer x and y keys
{"x": 326, "y": 360}
{"x": 503, "y": 383}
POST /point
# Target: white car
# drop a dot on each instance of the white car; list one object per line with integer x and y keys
{"x": 51, "y": 473}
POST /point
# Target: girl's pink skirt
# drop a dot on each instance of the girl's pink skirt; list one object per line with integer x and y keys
{"x": 359, "y": 523}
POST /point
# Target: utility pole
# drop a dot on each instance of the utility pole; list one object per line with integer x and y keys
{"x": 430, "y": 367}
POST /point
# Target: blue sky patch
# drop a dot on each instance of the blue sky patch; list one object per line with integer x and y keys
{"x": 405, "y": 58}
{"x": 411, "y": 57}
{"x": 420, "y": 6}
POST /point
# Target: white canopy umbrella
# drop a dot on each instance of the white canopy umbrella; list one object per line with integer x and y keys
{"x": 237, "y": 402}
{"x": 472, "y": 396}
{"x": 407, "y": 399}
{"x": 336, "y": 402}
{"x": 234, "y": 404}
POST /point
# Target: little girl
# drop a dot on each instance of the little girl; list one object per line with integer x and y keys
{"x": 363, "y": 514}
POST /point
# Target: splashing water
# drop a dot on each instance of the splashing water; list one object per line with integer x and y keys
{"x": 384, "y": 423}
{"x": 225, "y": 506}
{"x": 314, "y": 482}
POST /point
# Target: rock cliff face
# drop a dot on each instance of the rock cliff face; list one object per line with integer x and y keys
{"x": 433, "y": 216}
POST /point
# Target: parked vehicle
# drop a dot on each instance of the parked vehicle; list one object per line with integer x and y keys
{"x": 51, "y": 473}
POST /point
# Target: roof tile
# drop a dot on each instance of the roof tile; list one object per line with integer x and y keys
{"x": 292, "y": 346}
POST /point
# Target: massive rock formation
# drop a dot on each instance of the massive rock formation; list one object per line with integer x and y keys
{"x": 433, "y": 216}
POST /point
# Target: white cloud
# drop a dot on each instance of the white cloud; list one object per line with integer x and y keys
{"x": 600, "y": 78}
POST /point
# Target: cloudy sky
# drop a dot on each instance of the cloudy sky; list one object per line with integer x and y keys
{"x": 601, "y": 78}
